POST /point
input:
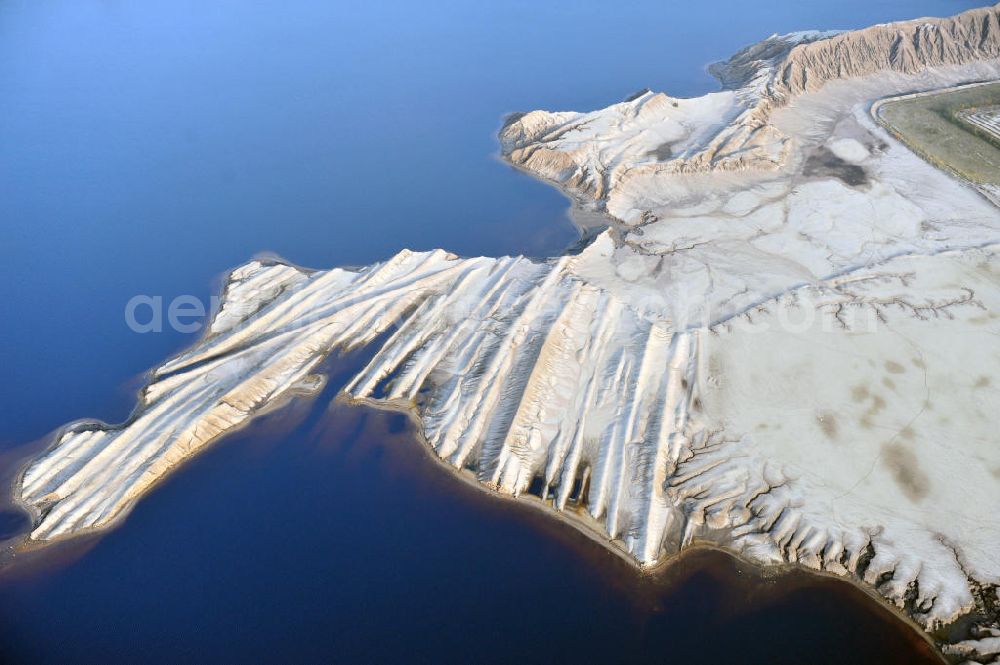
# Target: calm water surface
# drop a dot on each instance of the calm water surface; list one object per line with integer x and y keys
{"x": 148, "y": 147}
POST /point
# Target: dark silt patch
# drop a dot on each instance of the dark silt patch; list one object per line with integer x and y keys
{"x": 825, "y": 164}
{"x": 636, "y": 95}
{"x": 663, "y": 152}
{"x": 511, "y": 118}
{"x": 906, "y": 471}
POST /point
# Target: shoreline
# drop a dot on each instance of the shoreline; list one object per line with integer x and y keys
{"x": 580, "y": 521}
{"x": 579, "y": 518}
{"x": 663, "y": 566}
{"x": 640, "y": 584}
{"x": 655, "y": 574}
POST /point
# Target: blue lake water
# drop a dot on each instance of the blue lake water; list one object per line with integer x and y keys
{"x": 146, "y": 148}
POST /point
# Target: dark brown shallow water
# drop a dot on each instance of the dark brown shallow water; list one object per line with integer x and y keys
{"x": 326, "y": 533}
{"x": 157, "y": 143}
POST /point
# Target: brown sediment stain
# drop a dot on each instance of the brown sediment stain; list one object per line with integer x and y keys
{"x": 906, "y": 471}
{"x": 996, "y": 473}
{"x": 895, "y": 368}
{"x": 888, "y": 383}
{"x": 918, "y": 363}
{"x": 828, "y": 423}
{"x": 861, "y": 393}
{"x": 982, "y": 382}
{"x": 907, "y": 433}
{"x": 876, "y": 407}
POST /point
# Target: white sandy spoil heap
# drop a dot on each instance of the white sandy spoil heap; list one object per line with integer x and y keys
{"x": 785, "y": 344}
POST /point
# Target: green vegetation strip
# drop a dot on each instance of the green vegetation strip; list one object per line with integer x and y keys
{"x": 930, "y": 125}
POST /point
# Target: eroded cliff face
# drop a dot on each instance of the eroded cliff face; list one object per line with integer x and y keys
{"x": 907, "y": 47}
{"x": 763, "y": 77}
{"x": 784, "y": 345}
{"x": 802, "y": 62}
